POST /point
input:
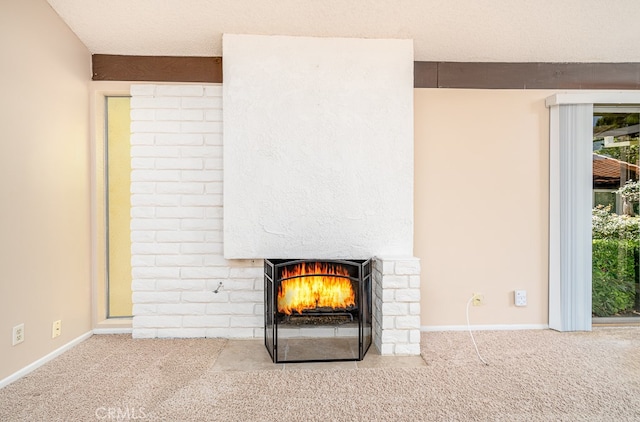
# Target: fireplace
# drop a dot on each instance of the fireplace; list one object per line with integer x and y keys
{"x": 317, "y": 310}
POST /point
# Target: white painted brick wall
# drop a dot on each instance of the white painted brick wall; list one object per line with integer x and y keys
{"x": 396, "y": 305}
{"x": 176, "y": 233}
{"x": 176, "y": 221}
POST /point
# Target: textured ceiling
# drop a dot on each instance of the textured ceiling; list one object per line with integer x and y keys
{"x": 442, "y": 30}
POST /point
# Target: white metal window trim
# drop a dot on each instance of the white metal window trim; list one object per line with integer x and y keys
{"x": 570, "y": 174}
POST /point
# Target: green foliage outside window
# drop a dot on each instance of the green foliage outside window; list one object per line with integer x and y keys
{"x": 614, "y": 276}
{"x": 616, "y": 246}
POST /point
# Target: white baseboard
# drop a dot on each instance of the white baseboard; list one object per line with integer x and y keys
{"x": 490, "y": 327}
{"x": 35, "y": 365}
{"x": 114, "y": 330}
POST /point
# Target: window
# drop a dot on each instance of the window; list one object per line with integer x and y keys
{"x": 570, "y": 202}
{"x": 118, "y": 202}
{"x": 105, "y": 318}
{"x": 615, "y": 220}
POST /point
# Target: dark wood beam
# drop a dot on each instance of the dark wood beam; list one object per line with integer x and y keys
{"x": 528, "y": 75}
{"x": 426, "y": 74}
{"x": 108, "y": 67}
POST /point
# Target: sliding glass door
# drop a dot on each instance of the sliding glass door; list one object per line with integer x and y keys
{"x": 615, "y": 219}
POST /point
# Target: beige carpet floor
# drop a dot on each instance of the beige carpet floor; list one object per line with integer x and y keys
{"x": 536, "y": 375}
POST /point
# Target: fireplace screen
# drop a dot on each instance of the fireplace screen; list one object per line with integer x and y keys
{"x": 317, "y": 310}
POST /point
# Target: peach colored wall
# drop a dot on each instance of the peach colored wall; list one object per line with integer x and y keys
{"x": 44, "y": 160}
{"x": 481, "y": 204}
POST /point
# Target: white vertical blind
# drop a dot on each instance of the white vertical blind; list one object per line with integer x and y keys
{"x": 570, "y": 217}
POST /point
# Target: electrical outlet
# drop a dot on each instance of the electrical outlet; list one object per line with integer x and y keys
{"x": 18, "y": 334}
{"x": 56, "y": 328}
{"x": 478, "y": 299}
{"x": 520, "y": 297}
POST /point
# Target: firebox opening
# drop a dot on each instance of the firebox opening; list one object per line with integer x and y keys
{"x": 315, "y": 287}
{"x": 317, "y": 310}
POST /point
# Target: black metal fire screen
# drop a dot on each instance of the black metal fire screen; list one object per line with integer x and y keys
{"x": 317, "y": 310}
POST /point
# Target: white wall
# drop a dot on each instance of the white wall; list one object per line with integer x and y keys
{"x": 44, "y": 160}
{"x": 176, "y": 233}
{"x": 176, "y": 226}
{"x": 318, "y": 147}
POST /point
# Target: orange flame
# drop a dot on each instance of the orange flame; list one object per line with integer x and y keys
{"x": 310, "y": 290}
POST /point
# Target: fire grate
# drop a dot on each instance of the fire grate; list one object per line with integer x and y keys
{"x": 317, "y": 310}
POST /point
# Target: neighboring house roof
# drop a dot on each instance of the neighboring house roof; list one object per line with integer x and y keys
{"x": 621, "y": 131}
{"x": 608, "y": 171}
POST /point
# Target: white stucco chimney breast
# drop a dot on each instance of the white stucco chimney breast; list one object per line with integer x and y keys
{"x": 318, "y": 147}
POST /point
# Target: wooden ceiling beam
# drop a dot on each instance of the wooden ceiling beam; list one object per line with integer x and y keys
{"x": 107, "y": 67}
{"x": 538, "y": 75}
{"x": 472, "y": 75}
